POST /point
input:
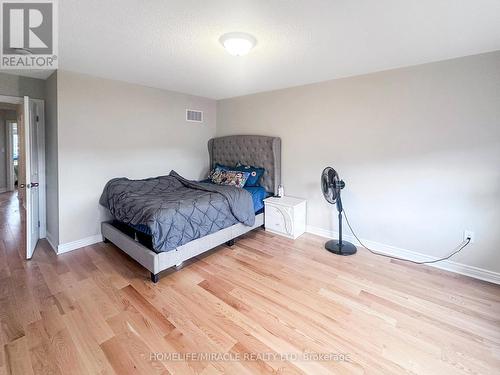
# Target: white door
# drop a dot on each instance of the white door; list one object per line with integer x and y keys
{"x": 32, "y": 176}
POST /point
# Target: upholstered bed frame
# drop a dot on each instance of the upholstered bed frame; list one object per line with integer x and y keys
{"x": 255, "y": 150}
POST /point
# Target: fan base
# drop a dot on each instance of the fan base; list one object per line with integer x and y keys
{"x": 347, "y": 248}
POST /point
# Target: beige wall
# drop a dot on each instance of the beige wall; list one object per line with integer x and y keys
{"x": 419, "y": 149}
{"x": 109, "y": 129}
{"x": 51, "y": 159}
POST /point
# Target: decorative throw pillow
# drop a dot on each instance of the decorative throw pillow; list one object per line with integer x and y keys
{"x": 217, "y": 168}
{"x": 232, "y": 178}
{"x": 256, "y": 173}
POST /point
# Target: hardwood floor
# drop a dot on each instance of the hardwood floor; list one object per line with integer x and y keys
{"x": 94, "y": 310}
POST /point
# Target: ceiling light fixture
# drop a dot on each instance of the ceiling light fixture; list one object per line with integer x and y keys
{"x": 238, "y": 44}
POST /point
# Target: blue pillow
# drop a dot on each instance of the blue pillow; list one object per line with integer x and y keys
{"x": 223, "y": 167}
{"x": 256, "y": 173}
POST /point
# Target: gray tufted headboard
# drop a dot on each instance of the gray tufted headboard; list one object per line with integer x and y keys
{"x": 255, "y": 150}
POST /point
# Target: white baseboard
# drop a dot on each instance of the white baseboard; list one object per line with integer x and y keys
{"x": 51, "y": 241}
{"x": 447, "y": 265}
{"x": 70, "y": 246}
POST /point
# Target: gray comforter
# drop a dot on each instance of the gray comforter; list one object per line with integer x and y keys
{"x": 176, "y": 210}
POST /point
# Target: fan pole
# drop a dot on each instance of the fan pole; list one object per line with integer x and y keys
{"x": 340, "y": 247}
{"x": 339, "y": 209}
{"x": 340, "y": 229}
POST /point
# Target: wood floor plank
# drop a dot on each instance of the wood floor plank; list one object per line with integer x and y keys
{"x": 128, "y": 354}
{"x": 18, "y": 358}
{"x": 42, "y": 357}
{"x": 89, "y": 351}
{"x": 133, "y": 297}
{"x": 61, "y": 345}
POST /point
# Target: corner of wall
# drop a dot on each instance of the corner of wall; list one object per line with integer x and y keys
{"x": 51, "y": 159}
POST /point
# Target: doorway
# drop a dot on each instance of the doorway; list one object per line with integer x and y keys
{"x": 12, "y": 155}
{"x": 22, "y": 166}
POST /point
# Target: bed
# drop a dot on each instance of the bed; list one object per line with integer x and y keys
{"x": 157, "y": 254}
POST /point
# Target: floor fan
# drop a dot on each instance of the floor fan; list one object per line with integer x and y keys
{"x": 331, "y": 185}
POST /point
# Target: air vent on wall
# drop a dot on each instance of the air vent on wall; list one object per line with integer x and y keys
{"x": 194, "y": 116}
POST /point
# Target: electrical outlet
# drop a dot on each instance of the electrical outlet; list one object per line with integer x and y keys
{"x": 469, "y": 234}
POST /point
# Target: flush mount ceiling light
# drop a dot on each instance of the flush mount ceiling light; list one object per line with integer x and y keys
{"x": 238, "y": 44}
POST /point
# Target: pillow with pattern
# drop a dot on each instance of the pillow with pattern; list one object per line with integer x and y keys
{"x": 219, "y": 167}
{"x": 231, "y": 178}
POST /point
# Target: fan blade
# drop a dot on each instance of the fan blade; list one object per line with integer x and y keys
{"x": 327, "y": 185}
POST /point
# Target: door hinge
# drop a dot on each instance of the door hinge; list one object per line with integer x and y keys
{"x": 38, "y": 223}
{"x": 37, "y": 118}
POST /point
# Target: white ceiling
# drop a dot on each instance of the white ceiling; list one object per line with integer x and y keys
{"x": 174, "y": 44}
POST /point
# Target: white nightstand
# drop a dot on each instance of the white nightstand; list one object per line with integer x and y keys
{"x": 285, "y": 216}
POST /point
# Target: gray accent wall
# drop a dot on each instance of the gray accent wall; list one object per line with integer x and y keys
{"x": 12, "y": 85}
{"x": 51, "y": 159}
{"x": 418, "y": 147}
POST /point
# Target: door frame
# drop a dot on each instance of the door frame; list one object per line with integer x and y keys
{"x": 42, "y": 190}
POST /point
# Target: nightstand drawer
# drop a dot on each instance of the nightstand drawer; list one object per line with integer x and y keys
{"x": 285, "y": 216}
{"x": 275, "y": 219}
